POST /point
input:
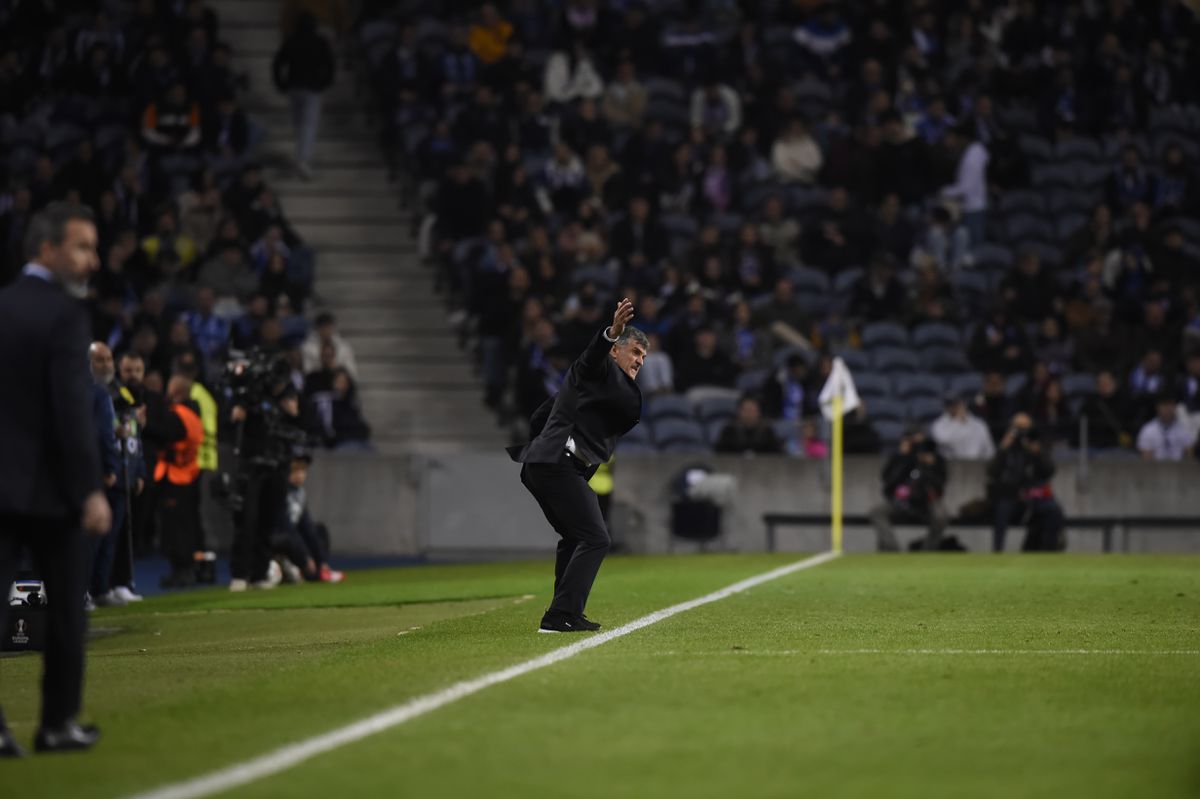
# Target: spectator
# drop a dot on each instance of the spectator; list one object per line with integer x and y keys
{"x": 1052, "y": 347}
{"x": 705, "y": 364}
{"x": 960, "y": 435}
{"x": 786, "y": 393}
{"x": 891, "y": 232}
{"x": 638, "y": 241}
{"x": 563, "y": 182}
{"x": 1146, "y": 382}
{"x": 795, "y": 156}
{"x": 172, "y": 125}
{"x": 716, "y": 110}
{"x": 228, "y": 275}
{"x": 209, "y": 331}
{"x": 914, "y": 480}
{"x": 1130, "y": 183}
{"x": 657, "y": 375}
{"x": 780, "y": 233}
{"x": 782, "y": 316}
{"x": 946, "y": 243}
{"x": 1166, "y": 437}
{"x": 227, "y": 132}
{"x": 834, "y": 241}
{"x": 303, "y": 68}
{"x": 877, "y": 295}
{"x": 489, "y": 36}
{"x": 749, "y": 346}
{"x": 748, "y": 433}
{"x": 342, "y": 424}
{"x": 325, "y": 332}
{"x": 626, "y": 99}
{"x": 571, "y": 75}
{"x": 999, "y": 346}
{"x": 167, "y": 255}
{"x": 1108, "y": 415}
{"x": 1019, "y": 488}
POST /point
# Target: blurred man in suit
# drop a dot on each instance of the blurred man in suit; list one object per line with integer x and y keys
{"x": 50, "y": 483}
{"x": 574, "y": 432}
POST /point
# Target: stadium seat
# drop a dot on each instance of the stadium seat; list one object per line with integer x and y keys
{"x": 640, "y": 434}
{"x": 1036, "y": 148}
{"x": 888, "y": 408}
{"x": 627, "y": 447}
{"x": 1080, "y": 149}
{"x": 871, "y": 385}
{"x": 1050, "y": 256}
{"x": 780, "y": 356}
{"x": 659, "y": 89}
{"x": 894, "y": 359}
{"x": 752, "y": 382}
{"x": 945, "y": 360}
{"x": 844, "y": 281}
{"x": 964, "y": 385}
{"x": 809, "y": 281}
{"x": 1022, "y": 228}
{"x": 1022, "y": 201}
{"x": 919, "y": 385}
{"x": 1078, "y": 386}
{"x": 936, "y": 334}
{"x": 890, "y": 431}
{"x": 1014, "y": 384}
{"x": 786, "y": 430}
{"x": 883, "y": 334}
{"x": 668, "y": 406}
{"x": 989, "y": 256}
{"x": 1072, "y": 201}
{"x": 972, "y": 288}
{"x": 680, "y": 225}
{"x": 924, "y": 409}
{"x": 602, "y": 277}
{"x": 672, "y": 431}
{"x": 803, "y": 200}
{"x": 715, "y": 409}
{"x": 856, "y": 360}
{"x": 1067, "y": 224}
{"x": 1049, "y": 176}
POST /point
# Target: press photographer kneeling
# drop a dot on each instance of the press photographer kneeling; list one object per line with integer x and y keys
{"x": 1019, "y": 488}
{"x": 268, "y": 433}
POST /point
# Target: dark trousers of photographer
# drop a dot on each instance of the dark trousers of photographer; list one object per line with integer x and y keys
{"x": 255, "y": 523}
{"x": 1043, "y": 519}
{"x": 179, "y": 519}
{"x": 59, "y": 551}
{"x": 887, "y": 513}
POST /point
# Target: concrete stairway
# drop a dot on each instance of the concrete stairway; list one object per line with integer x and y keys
{"x": 419, "y": 391}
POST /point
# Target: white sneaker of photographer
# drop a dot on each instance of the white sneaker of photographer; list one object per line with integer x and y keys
{"x": 127, "y": 593}
{"x": 273, "y": 579}
{"x": 237, "y": 585}
{"x": 291, "y": 572}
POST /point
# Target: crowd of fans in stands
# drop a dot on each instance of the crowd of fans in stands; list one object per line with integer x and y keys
{"x": 133, "y": 110}
{"x": 768, "y": 179}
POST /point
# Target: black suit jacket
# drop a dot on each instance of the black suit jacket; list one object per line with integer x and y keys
{"x": 597, "y": 403}
{"x": 48, "y": 460}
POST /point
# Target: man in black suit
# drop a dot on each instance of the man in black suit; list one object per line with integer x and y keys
{"x": 574, "y": 432}
{"x": 50, "y": 482}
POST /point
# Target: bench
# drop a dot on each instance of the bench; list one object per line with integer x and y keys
{"x": 1107, "y": 525}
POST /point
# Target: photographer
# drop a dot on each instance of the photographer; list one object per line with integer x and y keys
{"x": 1019, "y": 488}
{"x": 914, "y": 480}
{"x": 304, "y": 543}
{"x": 266, "y": 414}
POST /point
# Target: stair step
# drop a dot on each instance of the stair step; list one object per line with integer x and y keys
{"x": 398, "y": 374}
{"x": 331, "y": 234}
{"x": 359, "y": 180}
{"x": 303, "y": 208}
{"x": 369, "y": 346}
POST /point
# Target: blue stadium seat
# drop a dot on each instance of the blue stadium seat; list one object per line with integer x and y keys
{"x": 887, "y": 408}
{"x": 803, "y": 200}
{"x": 640, "y": 434}
{"x": 1014, "y": 384}
{"x": 989, "y": 256}
{"x": 1050, "y": 256}
{"x": 894, "y": 359}
{"x": 924, "y": 409}
{"x": 1076, "y": 386}
{"x": 889, "y": 431}
{"x": 668, "y": 406}
{"x": 871, "y": 385}
{"x": 751, "y": 382}
{"x": 601, "y": 276}
{"x": 1036, "y": 148}
{"x": 715, "y": 408}
{"x": 664, "y": 88}
{"x": 1063, "y": 201}
{"x": 1068, "y": 223}
{"x": 1022, "y": 201}
{"x": 780, "y": 356}
{"x": 964, "y": 385}
{"x": 810, "y": 281}
{"x": 945, "y": 360}
{"x": 1023, "y": 228}
{"x": 936, "y": 334}
{"x": 844, "y": 281}
{"x": 919, "y": 385}
{"x": 856, "y": 360}
{"x": 1053, "y": 176}
{"x": 883, "y": 334}
{"x": 680, "y": 225}
{"x": 1080, "y": 149}
{"x": 785, "y": 430}
{"x": 676, "y": 431}
{"x": 972, "y": 288}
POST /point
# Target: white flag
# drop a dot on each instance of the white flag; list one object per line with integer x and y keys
{"x": 840, "y": 383}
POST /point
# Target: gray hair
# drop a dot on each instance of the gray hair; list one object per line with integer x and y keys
{"x": 50, "y": 224}
{"x": 631, "y": 335}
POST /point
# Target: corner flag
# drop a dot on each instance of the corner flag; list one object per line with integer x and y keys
{"x": 838, "y": 397}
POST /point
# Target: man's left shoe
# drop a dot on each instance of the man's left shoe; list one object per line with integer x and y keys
{"x": 554, "y": 622}
{"x": 109, "y": 599}
{"x": 9, "y": 746}
{"x": 70, "y": 737}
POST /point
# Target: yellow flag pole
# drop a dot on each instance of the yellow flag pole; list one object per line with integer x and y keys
{"x": 836, "y": 482}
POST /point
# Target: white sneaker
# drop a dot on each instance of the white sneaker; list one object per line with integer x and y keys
{"x": 126, "y": 593}
{"x": 237, "y": 585}
{"x": 88, "y": 604}
{"x": 291, "y": 572}
{"x": 273, "y": 579}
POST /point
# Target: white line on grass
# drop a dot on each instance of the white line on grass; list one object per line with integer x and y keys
{"x": 294, "y": 754}
{"x": 800, "y": 652}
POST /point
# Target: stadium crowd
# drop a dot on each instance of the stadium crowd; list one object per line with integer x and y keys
{"x": 981, "y": 200}
{"x": 132, "y": 110}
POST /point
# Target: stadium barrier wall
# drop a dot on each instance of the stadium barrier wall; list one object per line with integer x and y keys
{"x": 472, "y": 505}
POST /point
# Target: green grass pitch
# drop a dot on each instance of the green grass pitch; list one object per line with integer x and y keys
{"x": 870, "y": 676}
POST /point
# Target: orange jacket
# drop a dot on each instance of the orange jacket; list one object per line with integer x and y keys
{"x": 181, "y": 464}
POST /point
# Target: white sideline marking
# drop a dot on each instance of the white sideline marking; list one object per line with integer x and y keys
{"x": 797, "y": 652}
{"x": 294, "y": 754}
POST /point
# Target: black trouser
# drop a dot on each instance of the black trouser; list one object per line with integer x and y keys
{"x": 571, "y": 507}
{"x": 265, "y": 499}
{"x": 179, "y": 514}
{"x": 59, "y": 553}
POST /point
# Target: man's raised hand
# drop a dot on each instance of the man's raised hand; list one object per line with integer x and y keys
{"x": 623, "y": 314}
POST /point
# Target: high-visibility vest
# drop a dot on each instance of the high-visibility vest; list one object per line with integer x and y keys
{"x": 208, "y": 416}
{"x": 180, "y": 463}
